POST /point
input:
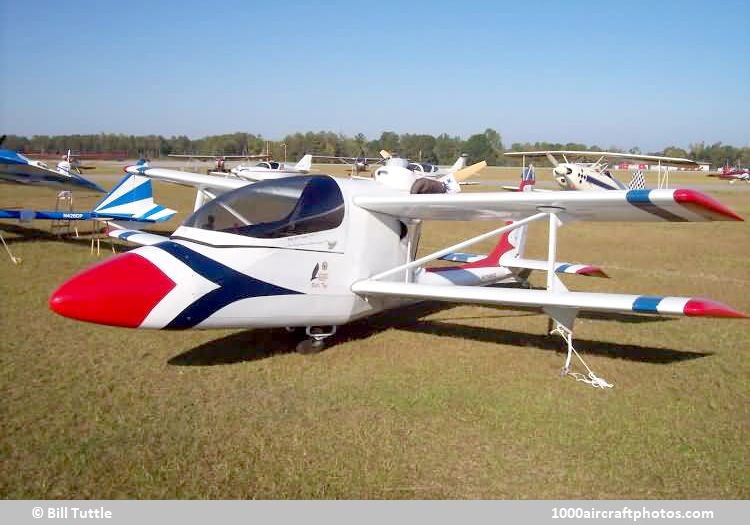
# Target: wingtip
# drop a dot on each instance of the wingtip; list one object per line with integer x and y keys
{"x": 704, "y": 205}
{"x": 592, "y": 271}
{"x": 700, "y": 307}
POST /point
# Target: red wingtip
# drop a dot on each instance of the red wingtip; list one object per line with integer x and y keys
{"x": 592, "y": 271}
{"x": 704, "y": 205}
{"x": 700, "y": 307}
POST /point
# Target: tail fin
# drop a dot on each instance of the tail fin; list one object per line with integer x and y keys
{"x": 510, "y": 246}
{"x": 459, "y": 164}
{"x": 133, "y": 197}
{"x": 528, "y": 179}
{"x": 305, "y": 163}
{"x": 638, "y": 182}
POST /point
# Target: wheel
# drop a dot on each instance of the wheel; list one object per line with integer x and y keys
{"x": 309, "y": 346}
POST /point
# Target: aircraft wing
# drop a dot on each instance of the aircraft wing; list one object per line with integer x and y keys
{"x": 667, "y": 161}
{"x": 601, "y": 302}
{"x": 16, "y": 168}
{"x": 212, "y": 157}
{"x": 186, "y": 178}
{"x": 679, "y": 205}
{"x": 348, "y": 159}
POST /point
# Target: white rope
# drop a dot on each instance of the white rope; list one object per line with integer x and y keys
{"x": 591, "y": 378}
{"x": 13, "y": 258}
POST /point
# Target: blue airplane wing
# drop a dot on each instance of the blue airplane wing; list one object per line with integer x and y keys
{"x": 16, "y": 168}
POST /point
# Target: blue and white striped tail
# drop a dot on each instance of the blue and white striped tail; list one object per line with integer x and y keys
{"x": 133, "y": 198}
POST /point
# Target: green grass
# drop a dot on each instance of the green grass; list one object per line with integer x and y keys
{"x": 428, "y": 402}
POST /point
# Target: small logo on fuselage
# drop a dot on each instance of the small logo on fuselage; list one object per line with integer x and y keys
{"x": 319, "y": 278}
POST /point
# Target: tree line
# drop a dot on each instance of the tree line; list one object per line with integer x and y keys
{"x": 441, "y": 149}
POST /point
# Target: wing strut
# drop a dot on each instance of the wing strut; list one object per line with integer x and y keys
{"x": 565, "y": 317}
{"x": 456, "y": 247}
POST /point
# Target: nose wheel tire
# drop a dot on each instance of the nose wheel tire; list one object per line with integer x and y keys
{"x": 310, "y": 346}
{"x": 316, "y": 337}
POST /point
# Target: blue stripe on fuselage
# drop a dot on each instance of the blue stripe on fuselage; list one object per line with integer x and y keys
{"x": 597, "y": 182}
{"x": 233, "y": 286}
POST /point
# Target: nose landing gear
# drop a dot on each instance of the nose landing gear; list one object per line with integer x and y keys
{"x": 315, "y": 341}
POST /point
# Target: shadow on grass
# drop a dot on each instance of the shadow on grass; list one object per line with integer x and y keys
{"x": 27, "y": 234}
{"x": 252, "y": 345}
{"x": 30, "y": 234}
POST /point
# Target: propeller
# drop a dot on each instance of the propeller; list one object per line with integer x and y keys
{"x": 2, "y": 139}
{"x": 469, "y": 171}
{"x": 562, "y": 170}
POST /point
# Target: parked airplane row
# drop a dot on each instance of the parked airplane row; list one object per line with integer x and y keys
{"x": 292, "y": 252}
{"x": 315, "y": 252}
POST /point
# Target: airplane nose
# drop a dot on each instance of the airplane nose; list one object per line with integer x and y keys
{"x": 120, "y": 291}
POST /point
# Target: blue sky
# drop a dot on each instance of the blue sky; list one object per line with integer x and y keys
{"x": 630, "y": 73}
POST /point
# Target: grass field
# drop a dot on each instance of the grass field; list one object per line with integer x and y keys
{"x": 431, "y": 401}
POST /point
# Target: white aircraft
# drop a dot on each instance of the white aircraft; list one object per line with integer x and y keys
{"x": 358, "y": 164}
{"x": 317, "y": 252}
{"x": 595, "y": 175}
{"x": 434, "y": 170}
{"x": 220, "y": 160}
{"x": 271, "y": 169}
{"x": 401, "y": 174}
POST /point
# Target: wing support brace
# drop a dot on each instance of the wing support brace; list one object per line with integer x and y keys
{"x": 564, "y": 318}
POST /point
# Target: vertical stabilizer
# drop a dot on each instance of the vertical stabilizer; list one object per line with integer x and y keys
{"x": 304, "y": 164}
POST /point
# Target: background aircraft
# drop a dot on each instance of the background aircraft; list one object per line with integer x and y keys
{"x": 290, "y": 253}
{"x": 399, "y": 173}
{"x": 359, "y": 164}
{"x": 220, "y": 160}
{"x": 271, "y": 169}
{"x": 129, "y": 202}
{"x": 18, "y": 169}
{"x": 733, "y": 174}
{"x": 595, "y": 176}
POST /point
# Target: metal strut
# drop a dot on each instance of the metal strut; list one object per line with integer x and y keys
{"x": 591, "y": 378}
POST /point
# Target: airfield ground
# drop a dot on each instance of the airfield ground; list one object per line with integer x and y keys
{"x": 432, "y": 401}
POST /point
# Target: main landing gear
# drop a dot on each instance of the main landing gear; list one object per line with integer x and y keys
{"x": 315, "y": 341}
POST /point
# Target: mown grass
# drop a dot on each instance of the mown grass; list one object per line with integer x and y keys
{"x": 432, "y": 401}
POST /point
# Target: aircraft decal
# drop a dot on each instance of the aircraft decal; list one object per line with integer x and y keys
{"x": 233, "y": 286}
{"x": 319, "y": 277}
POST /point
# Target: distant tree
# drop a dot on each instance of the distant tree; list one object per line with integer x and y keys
{"x": 389, "y": 141}
{"x": 478, "y": 148}
{"x": 674, "y": 151}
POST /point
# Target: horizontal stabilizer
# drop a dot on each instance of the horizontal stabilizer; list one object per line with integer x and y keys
{"x": 137, "y": 237}
{"x": 600, "y": 302}
{"x": 560, "y": 267}
{"x": 529, "y": 264}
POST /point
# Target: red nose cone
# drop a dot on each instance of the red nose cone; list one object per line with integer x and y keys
{"x": 120, "y": 291}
